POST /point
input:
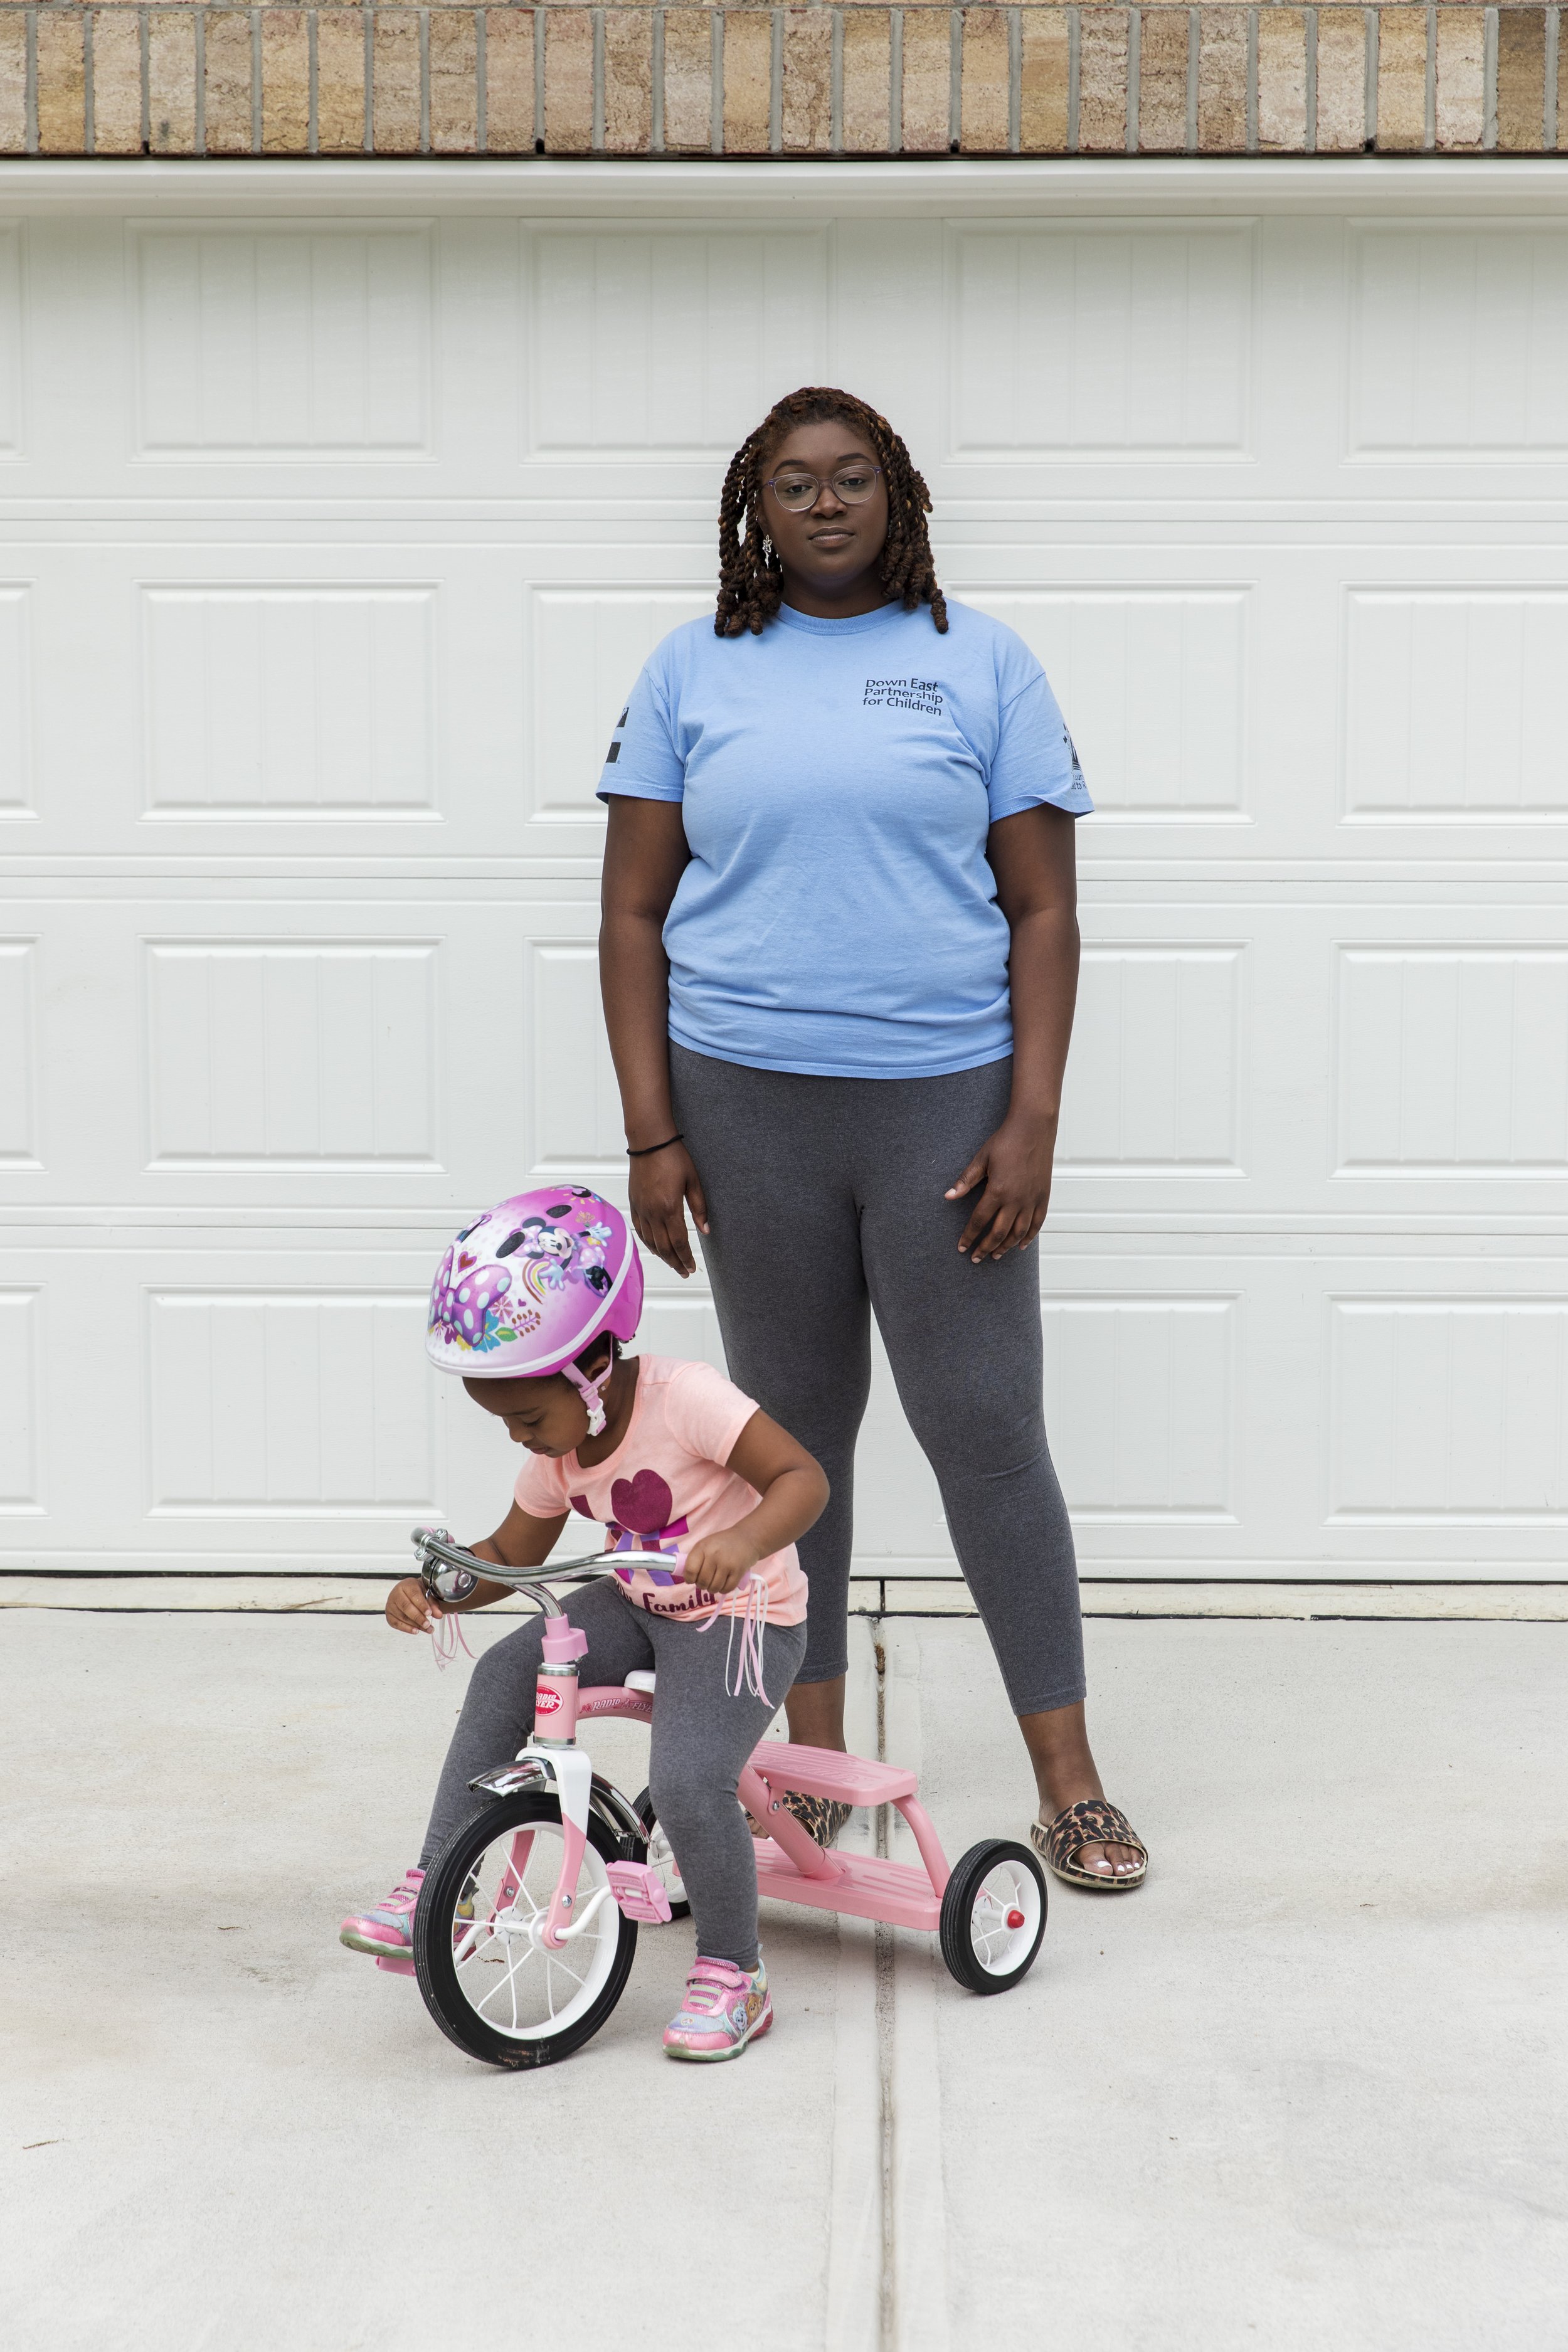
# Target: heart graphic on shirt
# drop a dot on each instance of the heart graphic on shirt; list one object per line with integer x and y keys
{"x": 644, "y": 1504}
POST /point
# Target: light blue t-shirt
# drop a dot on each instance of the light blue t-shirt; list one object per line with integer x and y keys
{"x": 836, "y": 781}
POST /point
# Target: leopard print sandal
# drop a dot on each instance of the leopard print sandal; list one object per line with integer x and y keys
{"x": 1093, "y": 1822}
{"x": 823, "y": 1817}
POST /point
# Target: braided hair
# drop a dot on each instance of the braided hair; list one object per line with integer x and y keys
{"x": 750, "y": 578}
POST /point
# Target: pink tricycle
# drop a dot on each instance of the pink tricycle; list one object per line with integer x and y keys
{"x": 527, "y": 1920}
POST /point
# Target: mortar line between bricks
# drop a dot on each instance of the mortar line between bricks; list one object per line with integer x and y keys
{"x": 1074, "y": 46}
{"x": 776, "y": 81}
{"x": 1429, "y": 129}
{"x": 1369, "y": 100}
{"x": 895, "y": 82}
{"x": 30, "y": 71}
{"x": 368, "y": 136}
{"x": 716, "y": 83}
{"x": 835, "y": 83}
{"x": 656, "y": 96}
{"x": 1549, "y": 96}
{"x": 1488, "y": 122}
{"x": 1309, "y": 132}
{"x": 88, "y": 116}
{"x": 1134, "y": 78}
{"x": 1195, "y": 36}
{"x": 255, "y": 81}
{"x": 424, "y": 81}
{"x": 539, "y": 81}
{"x": 145, "y": 63}
{"x": 1014, "y": 80}
{"x": 312, "y": 128}
{"x": 1252, "y": 81}
{"x": 954, "y": 81}
{"x": 597, "y": 114}
{"x": 481, "y": 83}
{"x": 199, "y": 111}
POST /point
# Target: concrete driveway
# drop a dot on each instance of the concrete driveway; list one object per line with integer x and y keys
{"x": 1306, "y": 2088}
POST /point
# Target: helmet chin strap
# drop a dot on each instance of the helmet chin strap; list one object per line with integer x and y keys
{"x": 591, "y": 1393}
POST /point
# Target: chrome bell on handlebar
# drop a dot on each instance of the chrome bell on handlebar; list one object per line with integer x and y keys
{"x": 441, "y": 1568}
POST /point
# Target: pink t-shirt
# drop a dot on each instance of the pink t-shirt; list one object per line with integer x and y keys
{"x": 666, "y": 1483}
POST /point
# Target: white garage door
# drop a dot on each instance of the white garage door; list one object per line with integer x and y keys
{"x": 334, "y": 544}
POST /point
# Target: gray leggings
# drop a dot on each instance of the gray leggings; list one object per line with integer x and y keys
{"x": 701, "y": 1737}
{"x": 824, "y": 1196}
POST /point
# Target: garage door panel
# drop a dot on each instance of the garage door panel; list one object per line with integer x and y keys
{"x": 587, "y": 645}
{"x": 311, "y": 1402}
{"x": 267, "y": 699}
{"x": 1155, "y": 1080}
{"x": 271, "y": 1051}
{"x": 1457, "y": 706}
{"x": 272, "y": 357}
{"x": 645, "y": 340}
{"x": 1461, "y": 338}
{"x": 19, "y": 1073}
{"x": 21, "y": 1463}
{"x": 1154, "y": 682}
{"x": 302, "y": 699}
{"x": 281, "y": 1053}
{"x": 283, "y": 340}
{"x": 1454, "y": 1060}
{"x": 12, "y": 333}
{"x": 1108, "y": 339}
{"x": 1450, "y": 1411}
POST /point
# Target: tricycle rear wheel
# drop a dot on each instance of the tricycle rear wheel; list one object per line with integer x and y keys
{"x": 994, "y": 1916}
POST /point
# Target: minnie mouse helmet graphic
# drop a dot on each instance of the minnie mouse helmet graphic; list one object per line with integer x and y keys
{"x": 526, "y": 1288}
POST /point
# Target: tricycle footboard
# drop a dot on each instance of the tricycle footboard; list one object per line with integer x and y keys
{"x": 866, "y": 1887}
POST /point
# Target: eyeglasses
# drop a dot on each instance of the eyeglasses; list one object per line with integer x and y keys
{"x": 797, "y": 493}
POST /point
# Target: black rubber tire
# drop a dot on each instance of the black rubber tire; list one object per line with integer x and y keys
{"x": 958, "y": 1907}
{"x": 438, "y": 1897}
{"x": 643, "y": 1808}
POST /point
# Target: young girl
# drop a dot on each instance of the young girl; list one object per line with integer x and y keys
{"x": 531, "y": 1306}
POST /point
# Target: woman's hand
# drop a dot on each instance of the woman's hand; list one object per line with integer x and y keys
{"x": 1014, "y": 1166}
{"x": 409, "y": 1607}
{"x": 662, "y": 1183}
{"x": 717, "y": 1563}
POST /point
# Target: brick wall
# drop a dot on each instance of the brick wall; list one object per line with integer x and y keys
{"x": 853, "y": 78}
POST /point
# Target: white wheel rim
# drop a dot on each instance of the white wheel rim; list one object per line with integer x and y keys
{"x": 512, "y": 1983}
{"x": 662, "y": 1857}
{"x": 1010, "y": 1892}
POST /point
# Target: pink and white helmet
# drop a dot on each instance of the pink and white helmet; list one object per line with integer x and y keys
{"x": 528, "y": 1286}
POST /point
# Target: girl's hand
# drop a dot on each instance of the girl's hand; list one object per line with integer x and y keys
{"x": 409, "y": 1609}
{"x": 1014, "y": 1166}
{"x": 717, "y": 1563}
{"x": 661, "y": 1185}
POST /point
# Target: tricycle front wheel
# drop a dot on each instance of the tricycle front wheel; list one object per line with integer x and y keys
{"x": 490, "y": 1985}
{"x": 994, "y": 1916}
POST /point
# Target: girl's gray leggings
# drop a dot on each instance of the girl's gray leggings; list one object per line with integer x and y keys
{"x": 701, "y": 1737}
{"x": 824, "y": 1196}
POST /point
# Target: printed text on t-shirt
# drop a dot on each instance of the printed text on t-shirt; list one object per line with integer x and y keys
{"x": 903, "y": 694}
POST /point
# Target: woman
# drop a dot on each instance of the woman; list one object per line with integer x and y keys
{"x": 839, "y": 956}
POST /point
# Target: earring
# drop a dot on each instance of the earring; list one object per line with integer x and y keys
{"x": 767, "y": 549}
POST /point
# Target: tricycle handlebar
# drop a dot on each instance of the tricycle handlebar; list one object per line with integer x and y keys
{"x": 450, "y": 1574}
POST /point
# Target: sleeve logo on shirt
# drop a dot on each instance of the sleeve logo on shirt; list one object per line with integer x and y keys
{"x": 921, "y": 694}
{"x": 614, "y": 753}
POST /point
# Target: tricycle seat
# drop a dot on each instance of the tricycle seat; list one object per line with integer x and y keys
{"x": 820, "y": 1772}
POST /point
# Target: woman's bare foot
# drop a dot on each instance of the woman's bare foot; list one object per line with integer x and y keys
{"x": 1065, "y": 1774}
